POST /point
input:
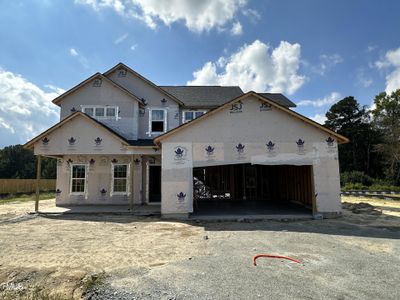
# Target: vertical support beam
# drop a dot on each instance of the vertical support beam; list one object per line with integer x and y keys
{"x": 38, "y": 172}
{"x": 132, "y": 183}
{"x": 314, "y": 198}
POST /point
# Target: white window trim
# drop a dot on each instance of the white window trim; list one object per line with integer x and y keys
{"x": 85, "y": 189}
{"x": 193, "y": 111}
{"x": 104, "y": 117}
{"x": 128, "y": 179}
{"x": 165, "y": 120}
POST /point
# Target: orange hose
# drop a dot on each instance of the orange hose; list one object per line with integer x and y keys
{"x": 273, "y": 256}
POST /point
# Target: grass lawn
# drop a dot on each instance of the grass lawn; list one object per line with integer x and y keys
{"x": 25, "y": 197}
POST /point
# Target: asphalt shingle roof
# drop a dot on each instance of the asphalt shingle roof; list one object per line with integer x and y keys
{"x": 213, "y": 96}
{"x": 279, "y": 99}
{"x": 204, "y": 96}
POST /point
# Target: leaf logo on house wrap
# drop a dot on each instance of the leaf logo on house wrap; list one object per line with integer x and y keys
{"x": 330, "y": 141}
{"x": 58, "y": 192}
{"x": 236, "y": 107}
{"x": 181, "y": 196}
{"x": 114, "y": 160}
{"x": 73, "y": 109}
{"x": 179, "y": 153}
{"x": 265, "y": 106}
{"x": 240, "y": 148}
{"x": 92, "y": 161}
{"x": 98, "y": 141}
{"x": 209, "y": 150}
{"x": 103, "y": 191}
{"x": 71, "y": 140}
{"x": 270, "y": 146}
{"x": 45, "y": 141}
{"x": 300, "y": 143}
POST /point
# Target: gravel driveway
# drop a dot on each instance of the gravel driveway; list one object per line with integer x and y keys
{"x": 62, "y": 257}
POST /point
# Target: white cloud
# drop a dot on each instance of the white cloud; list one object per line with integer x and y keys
{"x": 73, "y": 52}
{"x": 256, "y": 67}
{"x": 79, "y": 57}
{"x": 237, "y": 29}
{"x": 133, "y": 47}
{"x": 25, "y": 109}
{"x": 197, "y": 15}
{"x": 371, "y": 48}
{"x": 252, "y": 14}
{"x": 391, "y": 62}
{"x": 121, "y": 38}
{"x": 327, "y": 62}
{"x": 327, "y": 100}
{"x": 363, "y": 78}
{"x": 319, "y": 118}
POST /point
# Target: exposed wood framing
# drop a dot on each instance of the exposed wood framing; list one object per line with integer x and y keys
{"x": 38, "y": 172}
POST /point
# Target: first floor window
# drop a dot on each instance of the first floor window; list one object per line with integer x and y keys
{"x": 120, "y": 178}
{"x": 191, "y": 115}
{"x": 78, "y": 179}
{"x": 158, "y": 120}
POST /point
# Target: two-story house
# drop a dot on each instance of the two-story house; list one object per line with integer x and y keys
{"x": 123, "y": 140}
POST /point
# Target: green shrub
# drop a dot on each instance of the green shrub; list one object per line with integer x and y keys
{"x": 354, "y": 186}
{"x": 355, "y": 177}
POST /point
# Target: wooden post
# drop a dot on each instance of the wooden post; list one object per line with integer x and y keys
{"x": 38, "y": 171}
{"x": 132, "y": 183}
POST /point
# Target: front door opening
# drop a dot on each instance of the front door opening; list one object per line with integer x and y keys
{"x": 154, "y": 184}
{"x": 253, "y": 189}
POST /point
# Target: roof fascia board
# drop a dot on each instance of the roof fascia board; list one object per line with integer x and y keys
{"x": 341, "y": 139}
{"x": 96, "y": 75}
{"x": 121, "y": 65}
{"x": 29, "y": 144}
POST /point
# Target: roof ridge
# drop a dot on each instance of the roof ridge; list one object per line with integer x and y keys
{"x": 223, "y": 86}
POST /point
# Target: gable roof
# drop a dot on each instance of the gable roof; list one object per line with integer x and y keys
{"x": 133, "y": 143}
{"x": 279, "y": 99}
{"x": 121, "y": 65}
{"x": 203, "y": 96}
{"x": 86, "y": 81}
{"x": 340, "y": 138}
{"x": 212, "y": 96}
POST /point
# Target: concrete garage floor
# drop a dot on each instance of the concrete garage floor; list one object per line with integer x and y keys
{"x": 256, "y": 210}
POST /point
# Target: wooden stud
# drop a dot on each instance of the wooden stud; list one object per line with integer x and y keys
{"x": 38, "y": 171}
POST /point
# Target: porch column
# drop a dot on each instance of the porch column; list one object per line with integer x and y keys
{"x": 132, "y": 183}
{"x": 38, "y": 171}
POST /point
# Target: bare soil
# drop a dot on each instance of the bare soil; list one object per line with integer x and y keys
{"x": 126, "y": 257}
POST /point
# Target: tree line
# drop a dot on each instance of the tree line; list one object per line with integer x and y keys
{"x": 371, "y": 157}
{"x": 17, "y": 162}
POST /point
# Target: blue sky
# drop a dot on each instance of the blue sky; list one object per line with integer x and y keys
{"x": 314, "y": 51}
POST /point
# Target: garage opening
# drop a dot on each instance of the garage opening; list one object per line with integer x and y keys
{"x": 245, "y": 189}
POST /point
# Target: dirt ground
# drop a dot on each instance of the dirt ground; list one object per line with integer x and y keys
{"x": 126, "y": 257}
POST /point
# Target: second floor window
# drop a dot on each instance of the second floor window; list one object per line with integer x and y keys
{"x": 158, "y": 120}
{"x": 101, "y": 112}
{"x": 191, "y": 115}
